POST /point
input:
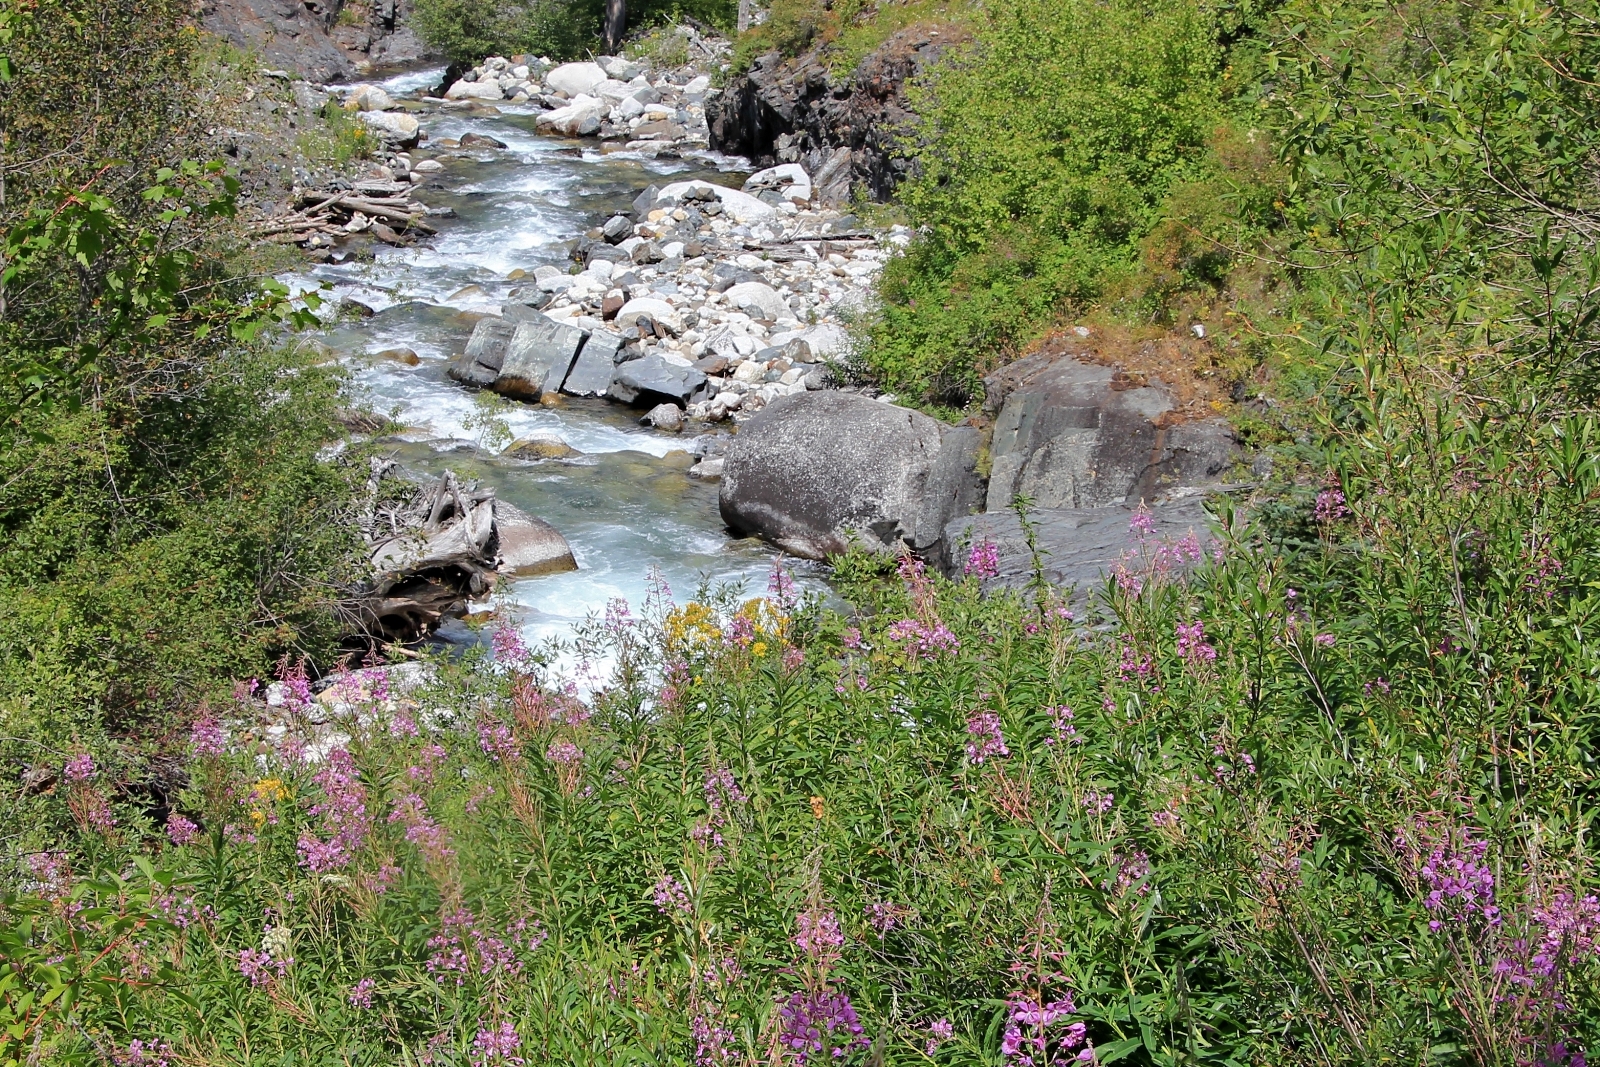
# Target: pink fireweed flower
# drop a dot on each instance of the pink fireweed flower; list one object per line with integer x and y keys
{"x": 781, "y": 587}
{"x": 939, "y": 1031}
{"x": 564, "y": 753}
{"x": 1142, "y": 524}
{"x": 431, "y": 839}
{"x": 508, "y": 647}
{"x": 260, "y": 967}
{"x": 1027, "y": 1038}
{"x": 1452, "y": 865}
{"x": 983, "y": 561}
{"x": 401, "y": 725}
{"x": 713, "y": 1045}
{"x": 463, "y": 948}
{"x": 497, "y": 742}
{"x": 206, "y": 738}
{"x": 722, "y": 791}
{"x": 344, "y": 816}
{"x": 670, "y": 895}
{"x": 143, "y": 1054}
{"x": 815, "y": 1018}
{"x": 922, "y": 639}
{"x": 1065, "y": 732}
{"x": 426, "y": 769}
{"x": 1330, "y": 507}
{"x": 1192, "y": 644}
{"x": 79, "y": 769}
{"x": 793, "y": 658}
{"x": 498, "y": 1046}
{"x": 361, "y": 993}
{"x": 180, "y": 831}
{"x": 1099, "y": 803}
{"x": 985, "y": 738}
{"x": 819, "y": 935}
{"x": 885, "y": 915}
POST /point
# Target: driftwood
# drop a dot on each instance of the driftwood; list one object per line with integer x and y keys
{"x": 381, "y": 207}
{"x": 439, "y": 546}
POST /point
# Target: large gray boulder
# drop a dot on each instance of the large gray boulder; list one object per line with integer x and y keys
{"x": 538, "y": 357}
{"x": 652, "y": 380}
{"x": 815, "y": 472}
{"x": 525, "y": 546}
{"x": 486, "y": 351}
{"x": 524, "y": 357}
{"x": 592, "y": 371}
{"x": 1071, "y": 434}
{"x": 1081, "y": 547}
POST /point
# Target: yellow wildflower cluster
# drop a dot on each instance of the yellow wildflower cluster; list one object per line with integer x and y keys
{"x": 692, "y": 628}
{"x": 264, "y": 794}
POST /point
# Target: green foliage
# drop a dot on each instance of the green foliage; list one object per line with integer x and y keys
{"x": 1204, "y": 814}
{"x": 469, "y": 30}
{"x": 1046, "y": 152}
{"x": 164, "y": 519}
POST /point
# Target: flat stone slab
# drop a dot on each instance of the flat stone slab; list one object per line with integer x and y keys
{"x": 1078, "y": 547}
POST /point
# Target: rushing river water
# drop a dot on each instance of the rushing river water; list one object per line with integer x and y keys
{"x": 625, "y": 506}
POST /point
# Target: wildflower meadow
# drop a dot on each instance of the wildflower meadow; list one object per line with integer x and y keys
{"x": 1288, "y": 790}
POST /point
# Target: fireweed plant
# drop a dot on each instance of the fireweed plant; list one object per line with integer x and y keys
{"x": 1310, "y": 789}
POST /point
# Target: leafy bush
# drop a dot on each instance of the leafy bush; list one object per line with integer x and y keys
{"x": 1045, "y": 152}
{"x": 164, "y": 520}
{"x": 468, "y": 30}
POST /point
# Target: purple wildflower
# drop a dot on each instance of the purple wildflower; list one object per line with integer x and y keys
{"x": 361, "y": 993}
{"x": 498, "y": 742}
{"x": 670, "y": 895}
{"x": 924, "y": 639}
{"x": 79, "y": 769}
{"x": 819, "y": 935}
{"x": 1330, "y": 506}
{"x": 1142, "y": 524}
{"x": 500, "y": 1045}
{"x": 180, "y": 831}
{"x": 939, "y": 1031}
{"x": 986, "y": 740}
{"x": 344, "y": 815}
{"x": 984, "y": 560}
{"x": 206, "y": 738}
{"x": 713, "y": 1045}
{"x": 820, "y": 1019}
{"x": 1192, "y": 644}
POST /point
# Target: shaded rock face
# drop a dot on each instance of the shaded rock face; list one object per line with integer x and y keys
{"x": 814, "y": 472}
{"x": 843, "y": 131}
{"x": 303, "y": 36}
{"x": 1071, "y": 434}
{"x": 1078, "y": 547}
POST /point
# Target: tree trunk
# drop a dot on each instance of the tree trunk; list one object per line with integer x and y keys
{"x": 616, "y": 23}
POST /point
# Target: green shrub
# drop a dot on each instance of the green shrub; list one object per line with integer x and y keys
{"x": 1044, "y": 154}
{"x": 466, "y": 31}
{"x": 164, "y": 520}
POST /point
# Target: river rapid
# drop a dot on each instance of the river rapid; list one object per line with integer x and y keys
{"x": 625, "y": 505}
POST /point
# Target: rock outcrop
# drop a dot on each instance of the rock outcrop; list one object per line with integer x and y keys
{"x": 1080, "y": 547}
{"x": 1072, "y": 434}
{"x": 815, "y": 472}
{"x": 309, "y": 38}
{"x": 842, "y": 130}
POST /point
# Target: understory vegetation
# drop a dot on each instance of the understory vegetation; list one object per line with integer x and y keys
{"x": 465, "y": 31}
{"x": 164, "y": 521}
{"x": 1314, "y": 786}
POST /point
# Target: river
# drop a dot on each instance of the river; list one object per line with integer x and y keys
{"x": 625, "y": 506}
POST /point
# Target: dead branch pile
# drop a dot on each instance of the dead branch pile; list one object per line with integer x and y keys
{"x": 378, "y": 206}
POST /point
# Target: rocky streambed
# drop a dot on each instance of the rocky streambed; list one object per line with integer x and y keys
{"x": 638, "y": 341}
